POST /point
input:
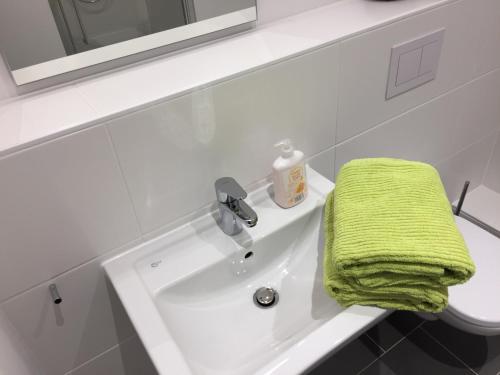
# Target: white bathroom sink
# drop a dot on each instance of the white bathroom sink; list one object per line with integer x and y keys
{"x": 190, "y": 293}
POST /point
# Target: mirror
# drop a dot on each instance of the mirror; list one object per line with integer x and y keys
{"x": 40, "y": 39}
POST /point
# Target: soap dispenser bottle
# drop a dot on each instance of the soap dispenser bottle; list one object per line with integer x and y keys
{"x": 289, "y": 176}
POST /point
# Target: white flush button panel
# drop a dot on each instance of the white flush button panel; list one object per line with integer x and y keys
{"x": 414, "y": 63}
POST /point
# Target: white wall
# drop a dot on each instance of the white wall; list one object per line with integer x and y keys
{"x": 68, "y": 204}
{"x": 7, "y": 87}
{"x": 271, "y": 10}
{"x": 15, "y": 356}
{"x": 492, "y": 177}
{"x": 438, "y": 122}
{"x": 28, "y": 33}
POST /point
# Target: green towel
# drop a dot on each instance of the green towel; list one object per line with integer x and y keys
{"x": 391, "y": 239}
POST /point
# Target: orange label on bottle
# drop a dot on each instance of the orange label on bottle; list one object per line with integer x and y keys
{"x": 296, "y": 186}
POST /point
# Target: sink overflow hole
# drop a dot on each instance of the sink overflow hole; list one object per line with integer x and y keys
{"x": 249, "y": 255}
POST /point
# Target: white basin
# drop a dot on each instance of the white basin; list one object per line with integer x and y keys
{"x": 190, "y": 293}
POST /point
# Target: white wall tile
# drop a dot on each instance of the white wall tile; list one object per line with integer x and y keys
{"x": 365, "y": 61}
{"x": 62, "y": 203}
{"x": 492, "y": 177}
{"x": 271, "y": 10}
{"x": 89, "y": 320}
{"x": 478, "y": 106}
{"x": 469, "y": 164}
{"x": 171, "y": 154}
{"x": 434, "y": 131}
{"x": 15, "y": 355}
{"x": 129, "y": 358}
{"x": 488, "y": 28}
{"x": 7, "y": 88}
{"x": 324, "y": 163}
{"x": 41, "y": 116}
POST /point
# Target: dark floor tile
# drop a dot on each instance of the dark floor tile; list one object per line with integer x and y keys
{"x": 394, "y": 328}
{"x": 350, "y": 360}
{"x": 481, "y": 353}
{"x": 417, "y": 354}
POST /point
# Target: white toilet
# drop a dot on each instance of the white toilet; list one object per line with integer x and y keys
{"x": 475, "y": 306}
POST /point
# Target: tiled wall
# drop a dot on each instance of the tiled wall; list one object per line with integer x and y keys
{"x": 270, "y": 10}
{"x": 7, "y": 88}
{"x": 492, "y": 176}
{"x": 449, "y": 122}
{"x": 172, "y": 153}
{"x": 68, "y": 204}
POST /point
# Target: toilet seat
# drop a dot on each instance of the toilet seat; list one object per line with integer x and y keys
{"x": 476, "y": 304}
{"x": 467, "y": 326}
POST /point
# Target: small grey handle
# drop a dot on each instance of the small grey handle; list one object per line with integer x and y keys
{"x": 462, "y": 198}
{"x": 228, "y": 190}
{"x": 56, "y": 297}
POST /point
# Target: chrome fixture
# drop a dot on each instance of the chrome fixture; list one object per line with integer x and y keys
{"x": 265, "y": 297}
{"x": 56, "y": 297}
{"x": 233, "y": 209}
{"x": 458, "y": 209}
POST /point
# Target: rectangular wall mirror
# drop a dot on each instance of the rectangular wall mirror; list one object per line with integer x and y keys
{"x": 40, "y": 39}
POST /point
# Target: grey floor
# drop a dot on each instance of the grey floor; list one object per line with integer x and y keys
{"x": 403, "y": 344}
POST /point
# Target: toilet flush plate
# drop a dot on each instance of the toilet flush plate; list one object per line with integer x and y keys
{"x": 414, "y": 63}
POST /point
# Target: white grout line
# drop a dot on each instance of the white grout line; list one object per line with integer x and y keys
{"x": 124, "y": 179}
{"x": 408, "y": 334}
{"x": 375, "y": 343}
{"x": 101, "y": 258}
{"x": 448, "y": 350}
{"x": 488, "y": 164}
{"x": 416, "y": 107}
{"x": 391, "y": 347}
{"x": 103, "y": 353}
{"x": 465, "y": 148}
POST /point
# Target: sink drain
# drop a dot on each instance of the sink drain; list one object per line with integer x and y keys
{"x": 265, "y": 297}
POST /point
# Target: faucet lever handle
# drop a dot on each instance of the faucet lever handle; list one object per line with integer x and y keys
{"x": 228, "y": 190}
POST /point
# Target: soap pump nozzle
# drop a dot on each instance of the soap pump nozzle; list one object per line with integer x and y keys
{"x": 286, "y": 147}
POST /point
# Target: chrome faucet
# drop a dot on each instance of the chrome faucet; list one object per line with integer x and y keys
{"x": 232, "y": 208}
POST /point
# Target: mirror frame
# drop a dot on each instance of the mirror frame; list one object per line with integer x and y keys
{"x": 133, "y": 50}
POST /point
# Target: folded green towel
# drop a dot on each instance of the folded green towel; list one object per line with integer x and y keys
{"x": 391, "y": 239}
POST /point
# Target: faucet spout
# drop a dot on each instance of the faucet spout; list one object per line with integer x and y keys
{"x": 234, "y": 211}
{"x": 245, "y": 213}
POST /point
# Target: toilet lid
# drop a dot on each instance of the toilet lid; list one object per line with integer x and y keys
{"x": 478, "y": 300}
